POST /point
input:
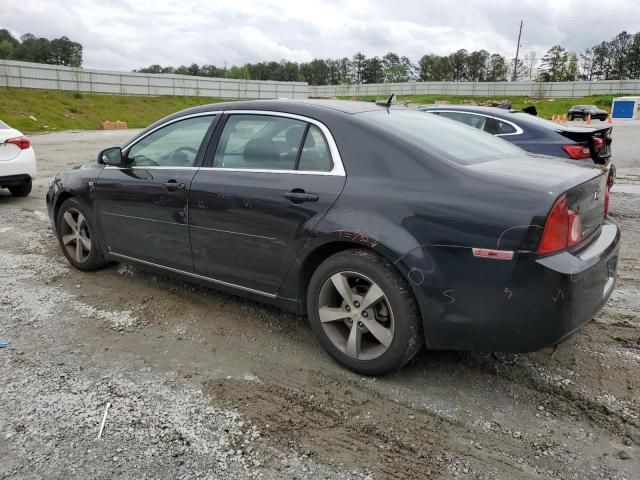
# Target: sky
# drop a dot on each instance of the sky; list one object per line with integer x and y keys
{"x": 129, "y": 34}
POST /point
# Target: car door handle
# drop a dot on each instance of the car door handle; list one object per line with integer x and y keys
{"x": 298, "y": 195}
{"x": 172, "y": 186}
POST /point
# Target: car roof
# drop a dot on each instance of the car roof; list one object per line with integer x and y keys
{"x": 292, "y": 106}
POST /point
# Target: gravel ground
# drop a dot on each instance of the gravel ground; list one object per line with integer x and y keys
{"x": 207, "y": 385}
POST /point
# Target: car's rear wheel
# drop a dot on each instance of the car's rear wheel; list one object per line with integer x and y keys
{"x": 77, "y": 237}
{"x": 364, "y": 313}
{"x": 21, "y": 190}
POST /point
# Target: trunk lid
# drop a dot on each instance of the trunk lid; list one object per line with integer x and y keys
{"x": 588, "y": 200}
{"x": 590, "y": 137}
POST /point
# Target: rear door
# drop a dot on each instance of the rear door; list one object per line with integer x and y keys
{"x": 271, "y": 179}
{"x": 143, "y": 207}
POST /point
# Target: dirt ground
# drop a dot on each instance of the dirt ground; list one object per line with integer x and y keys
{"x": 207, "y": 385}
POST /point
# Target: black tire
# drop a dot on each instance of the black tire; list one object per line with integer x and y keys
{"x": 571, "y": 118}
{"x": 407, "y": 338}
{"x": 95, "y": 258}
{"x": 21, "y": 190}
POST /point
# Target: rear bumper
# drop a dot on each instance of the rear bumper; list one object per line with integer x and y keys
{"x": 520, "y": 305}
{"x": 23, "y": 164}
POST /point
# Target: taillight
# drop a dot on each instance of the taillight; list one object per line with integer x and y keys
{"x": 577, "y": 152}
{"x": 562, "y": 230}
{"x": 598, "y": 142}
{"x": 21, "y": 142}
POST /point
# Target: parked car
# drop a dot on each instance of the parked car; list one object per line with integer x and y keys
{"x": 389, "y": 228}
{"x": 17, "y": 161}
{"x": 582, "y": 111}
{"x": 532, "y": 133}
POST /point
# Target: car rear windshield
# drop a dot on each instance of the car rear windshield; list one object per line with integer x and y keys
{"x": 455, "y": 141}
{"x": 3, "y": 126}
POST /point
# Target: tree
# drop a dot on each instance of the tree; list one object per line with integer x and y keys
{"x": 357, "y": 67}
{"x": 530, "y": 63}
{"x": 459, "y": 65}
{"x": 618, "y": 51}
{"x": 397, "y": 69}
{"x": 633, "y": 57}
{"x": 601, "y": 61}
{"x": 553, "y": 64}
{"x": 315, "y": 72}
{"x": 63, "y": 51}
{"x": 373, "y": 71}
{"x": 586, "y": 65}
{"x": 520, "y": 70}
{"x": 477, "y": 65}
{"x": 8, "y": 44}
{"x": 570, "y": 73}
{"x": 497, "y": 68}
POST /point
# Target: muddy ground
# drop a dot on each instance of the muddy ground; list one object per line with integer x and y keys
{"x": 207, "y": 385}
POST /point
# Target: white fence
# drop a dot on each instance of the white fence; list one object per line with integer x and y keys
{"x": 481, "y": 89}
{"x": 53, "y": 77}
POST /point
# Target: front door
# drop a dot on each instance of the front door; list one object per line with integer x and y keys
{"x": 271, "y": 180}
{"x": 143, "y": 207}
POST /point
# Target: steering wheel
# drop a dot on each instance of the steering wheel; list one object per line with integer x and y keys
{"x": 182, "y": 149}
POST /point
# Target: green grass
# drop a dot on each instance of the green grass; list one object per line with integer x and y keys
{"x": 55, "y": 110}
{"x": 546, "y": 107}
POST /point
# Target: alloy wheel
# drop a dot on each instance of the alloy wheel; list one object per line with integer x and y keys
{"x": 356, "y": 315}
{"x": 75, "y": 235}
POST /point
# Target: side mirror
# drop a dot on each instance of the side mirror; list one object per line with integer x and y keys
{"x": 111, "y": 156}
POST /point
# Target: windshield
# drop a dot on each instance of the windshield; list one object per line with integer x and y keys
{"x": 455, "y": 141}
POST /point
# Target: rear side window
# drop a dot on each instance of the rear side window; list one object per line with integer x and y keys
{"x": 269, "y": 142}
{"x": 503, "y": 128}
{"x": 476, "y": 121}
{"x": 450, "y": 140}
{"x": 315, "y": 154}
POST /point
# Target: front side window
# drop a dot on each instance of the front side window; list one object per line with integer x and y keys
{"x": 268, "y": 142}
{"x": 175, "y": 145}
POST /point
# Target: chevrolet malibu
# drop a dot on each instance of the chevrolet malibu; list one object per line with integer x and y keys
{"x": 389, "y": 228}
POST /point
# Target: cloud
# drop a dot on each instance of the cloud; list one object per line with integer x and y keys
{"x": 127, "y": 34}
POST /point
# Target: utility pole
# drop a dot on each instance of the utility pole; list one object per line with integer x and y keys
{"x": 515, "y": 64}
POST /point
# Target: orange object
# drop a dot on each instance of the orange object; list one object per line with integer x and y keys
{"x": 106, "y": 125}
{"x": 609, "y": 119}
{"x": 588, "y": 119}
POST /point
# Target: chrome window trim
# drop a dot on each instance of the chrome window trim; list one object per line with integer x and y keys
{"x": 337, "y": 170}
{"x": 194, "y": 275}
{"x": 154, "y": 167}
{"x": 518, "y": 131}
{"x": 169, "y": 122}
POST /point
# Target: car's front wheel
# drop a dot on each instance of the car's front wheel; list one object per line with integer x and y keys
{"x": 21, "y": 190}
{"x": 363, "y": 312}
{"x": 77, "y": 236}
{"x": 571, "y": 118}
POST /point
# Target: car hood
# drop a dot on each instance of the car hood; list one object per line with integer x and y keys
{"x": 549, "y": 173}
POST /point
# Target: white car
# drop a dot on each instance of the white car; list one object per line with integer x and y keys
{"x": 17, "y": 161}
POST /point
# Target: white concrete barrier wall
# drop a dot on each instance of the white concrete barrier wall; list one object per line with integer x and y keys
{"x": 53, "y": 77}
{"x": 484, "y": 89}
